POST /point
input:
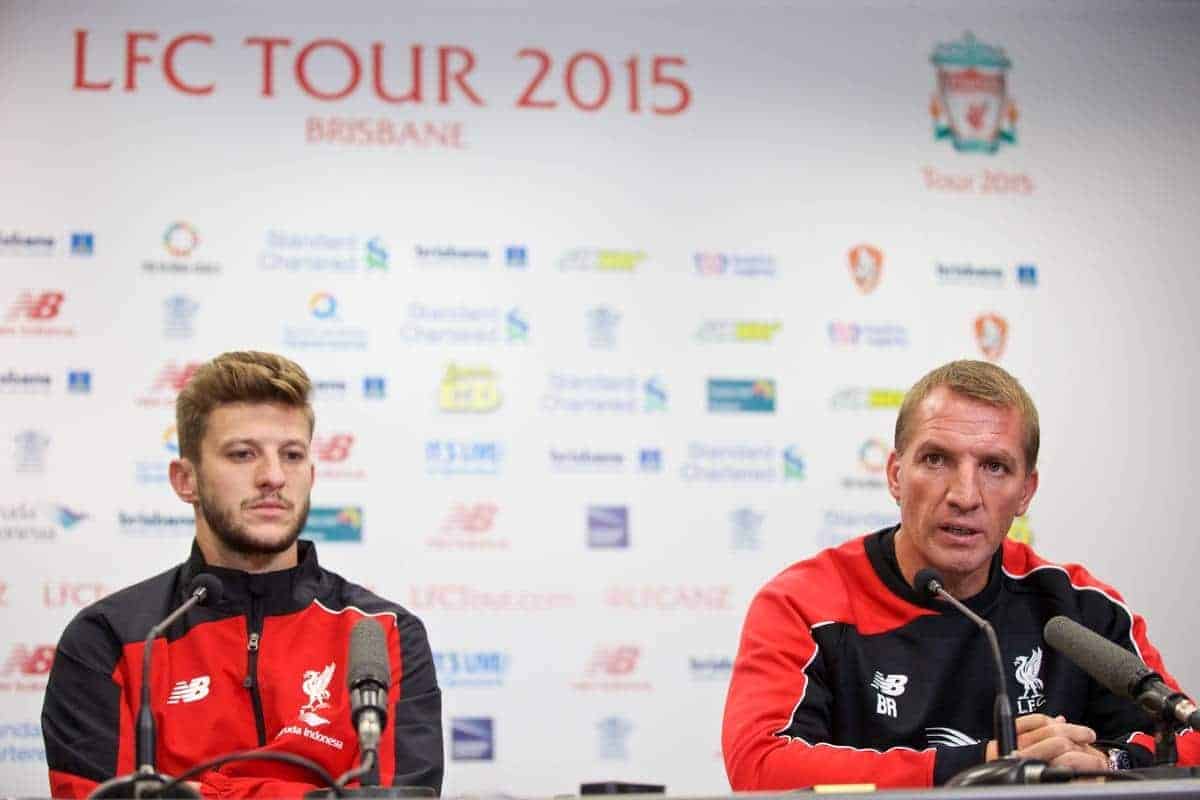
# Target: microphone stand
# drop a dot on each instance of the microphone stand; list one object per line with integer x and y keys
{"x": 147, "y": 781}
{"x": 1009, "y": 768}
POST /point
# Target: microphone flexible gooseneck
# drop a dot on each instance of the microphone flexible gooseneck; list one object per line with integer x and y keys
{"x": 929, "y": 584}
{"x": 204, "y": 589}
{"x": 1010, "y": 768}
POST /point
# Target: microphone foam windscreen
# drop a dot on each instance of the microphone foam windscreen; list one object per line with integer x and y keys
{"x": 922, "y": 580}
{"x": 1111, "y": 665}
{"x": 368, "y": 657}
{"x": 213, "y": 589}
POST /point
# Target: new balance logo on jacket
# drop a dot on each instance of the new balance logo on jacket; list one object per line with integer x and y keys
{"x": 190, "y": 691}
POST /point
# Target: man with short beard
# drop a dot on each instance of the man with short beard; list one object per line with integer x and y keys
{"x": 265, "y": 666}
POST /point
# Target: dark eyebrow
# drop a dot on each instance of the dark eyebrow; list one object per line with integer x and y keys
{"x": 255, "y": 443}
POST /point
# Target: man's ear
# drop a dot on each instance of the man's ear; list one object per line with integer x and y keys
{"x": 182, "y": 474}
{"x": 893, "y": 475}
{"x": 1027, "y": 492}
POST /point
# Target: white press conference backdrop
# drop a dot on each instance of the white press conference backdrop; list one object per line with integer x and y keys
{"x": 608, "y": 308}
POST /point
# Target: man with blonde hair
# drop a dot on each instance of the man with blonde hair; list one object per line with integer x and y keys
{"x": 846, "y": 674}
{"x": 264, "y": 667}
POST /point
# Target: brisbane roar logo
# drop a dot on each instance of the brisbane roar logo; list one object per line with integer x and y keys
{"x": 971, "y": 106}
{"x": 866, "y": 266}
{"x": 991, "y": 334}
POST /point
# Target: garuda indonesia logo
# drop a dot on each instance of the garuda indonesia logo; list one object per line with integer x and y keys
{"x": 971, "y": 106}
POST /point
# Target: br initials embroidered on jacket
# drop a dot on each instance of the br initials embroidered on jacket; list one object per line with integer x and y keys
{"x": 888, "y": 688}
{"x": 190, "y": 691}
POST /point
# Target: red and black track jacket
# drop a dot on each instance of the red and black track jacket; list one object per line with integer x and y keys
{"x": 845, "y": 675}
{"x": 263, "y": 668}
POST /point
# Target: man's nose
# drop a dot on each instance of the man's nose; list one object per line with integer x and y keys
{"x": 270, "y": 471}
{"x": 964, "y": 488}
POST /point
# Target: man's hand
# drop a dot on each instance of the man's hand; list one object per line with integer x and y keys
{"x": 1055, "y": 741}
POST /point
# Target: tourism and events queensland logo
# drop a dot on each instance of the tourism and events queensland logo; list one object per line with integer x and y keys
{"x": 334, "y": 524}
{"x": 991, "y": 335}
{"x": 181, "y": 243}
{"x": 742, "y": 395}
{"x": 971, "y": 106}
{"x": 865, "y": 262}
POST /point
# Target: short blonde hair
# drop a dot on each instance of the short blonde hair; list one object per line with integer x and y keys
{"x": 238, "y": 377}
{"x": 978, "y": 380}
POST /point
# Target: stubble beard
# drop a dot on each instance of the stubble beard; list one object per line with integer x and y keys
{"x": 237, "y": 539}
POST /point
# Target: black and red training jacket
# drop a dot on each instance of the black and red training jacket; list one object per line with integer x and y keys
{"x": 265, "y": 667}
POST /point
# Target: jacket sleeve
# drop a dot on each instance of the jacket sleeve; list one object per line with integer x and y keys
{"x": 85, "y": 731}
{"x": 416, "y": 723}
{"x": 777, "y": 732}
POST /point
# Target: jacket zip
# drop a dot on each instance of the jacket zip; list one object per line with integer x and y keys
{"x": 251, "y": 680}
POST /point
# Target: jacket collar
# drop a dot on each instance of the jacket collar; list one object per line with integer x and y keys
{"x": 881, "y": 550}
{"x": 280, "y": 592}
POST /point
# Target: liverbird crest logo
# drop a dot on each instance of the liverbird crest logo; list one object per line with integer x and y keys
{"x": 1027, "y": 669}
{"x": 866, "y": 266}
{"x": 316, "y": 686}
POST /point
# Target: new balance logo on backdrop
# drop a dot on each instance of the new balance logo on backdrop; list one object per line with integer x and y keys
{"x": 35, "y": 306}
{"x": 613, "y": 668}
{"x": 190, "y": 691}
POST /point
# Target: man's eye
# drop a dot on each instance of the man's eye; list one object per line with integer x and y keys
{"x": 935, "y": 459}
{"x": 295, "y": 455}
{"x": 996, "y": 467}
{"x": 240, "y": 455}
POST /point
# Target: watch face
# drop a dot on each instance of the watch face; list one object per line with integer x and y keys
{"x": 1118, "y": 758}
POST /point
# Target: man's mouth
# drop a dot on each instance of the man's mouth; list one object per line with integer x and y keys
{"x": 960, "y": 530}
{"x": 269, "y": 505}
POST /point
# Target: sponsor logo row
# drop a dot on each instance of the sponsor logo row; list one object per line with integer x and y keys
{"x": 324, "y": 328}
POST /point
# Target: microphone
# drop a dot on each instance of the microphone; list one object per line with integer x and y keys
{"x": 929, "y": 585}
{"x": 204, "y": 589}
{"x": 1120, "y": 671}
{"x": 368, "y": 676}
